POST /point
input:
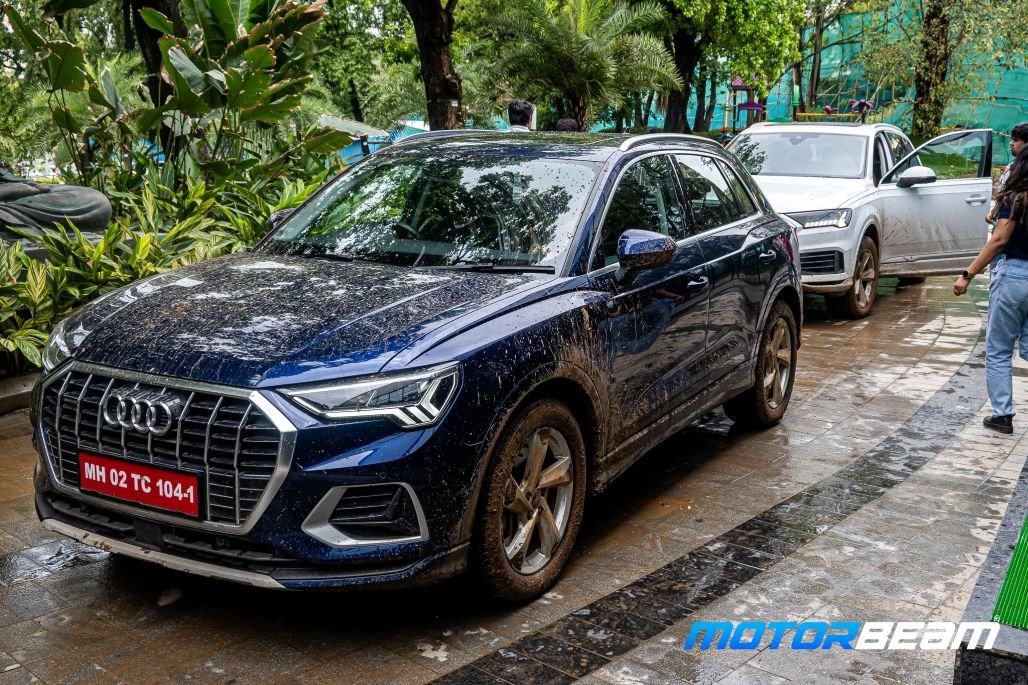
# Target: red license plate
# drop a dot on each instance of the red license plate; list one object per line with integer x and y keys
{"x": 179, "y": 492}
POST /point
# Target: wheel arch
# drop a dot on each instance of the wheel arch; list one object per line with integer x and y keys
{"x": 562, "y": 381}
{"x": 794, "y": 300}
{"x": 871, "y": 231}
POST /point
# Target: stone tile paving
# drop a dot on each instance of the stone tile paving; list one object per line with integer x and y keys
{"x": 72, "y": 614}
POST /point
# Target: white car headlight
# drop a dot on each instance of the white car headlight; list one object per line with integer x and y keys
{"x": 824, "y": 218}
{"x": 412, "y": 399}
{"x": 57, "y": 348}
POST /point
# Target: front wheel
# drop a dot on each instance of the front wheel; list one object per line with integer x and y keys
{"x": 856, "y": 303}
{"x": 764, "y": 404}
{"x": 533, "y": 502}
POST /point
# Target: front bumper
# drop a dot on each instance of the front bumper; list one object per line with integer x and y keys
{"x": 293, "y": 538}
{"x": 826, "y": 259}
{"x": 822, "y": 287}
{"x": 214, "y": 557}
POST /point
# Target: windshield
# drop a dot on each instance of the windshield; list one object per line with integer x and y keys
{"x": 822, "y": 155}
{"x": 443, "y": 209}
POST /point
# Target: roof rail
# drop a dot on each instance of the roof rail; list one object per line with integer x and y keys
{"x": 644, "y": 138}
{"x": 443, "y": 133}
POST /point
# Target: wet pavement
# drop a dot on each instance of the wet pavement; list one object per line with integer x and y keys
{"x": 876, "y": 499}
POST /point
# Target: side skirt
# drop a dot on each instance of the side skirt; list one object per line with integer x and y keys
{"x": 714, "y": 395}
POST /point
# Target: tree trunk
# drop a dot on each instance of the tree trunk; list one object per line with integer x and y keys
{"x": 619, "y": 122}
{"x": 127, "y": 30}
{"x": 685, "y": 45}
{"x": 147, "y": 38}
{"x": 355, "y": 102}
{"x": 817, "y": 40}
{"x": 701, "y": 101}
{"x": 637, "y": 102}
{"x": 930, "y": 72}
{"x": 647, "y": 109}
{"x": 711, "y": 105}
{"x": 578, "y": 106}
{"x": 433, "y": 28}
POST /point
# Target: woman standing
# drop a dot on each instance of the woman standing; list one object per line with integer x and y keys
{"x": 1008, "y": 292}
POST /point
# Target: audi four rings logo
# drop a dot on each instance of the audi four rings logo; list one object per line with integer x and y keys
{"x": 147, "y": 411}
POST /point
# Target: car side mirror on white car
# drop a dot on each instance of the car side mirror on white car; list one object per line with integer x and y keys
{"x": 915, "y": 175}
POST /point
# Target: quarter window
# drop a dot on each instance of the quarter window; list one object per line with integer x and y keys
{"x": 899, "y": 146}
{"x": 742, "y": 197}
{"x": 645, "y": 199}
{"x": 881, "y": 160}
{"x": 707, "y": 191}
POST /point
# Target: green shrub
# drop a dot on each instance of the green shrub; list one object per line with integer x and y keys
{"x": 234, "y": 138}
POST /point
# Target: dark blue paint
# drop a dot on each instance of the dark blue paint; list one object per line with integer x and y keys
{"x": 634, "y": 358}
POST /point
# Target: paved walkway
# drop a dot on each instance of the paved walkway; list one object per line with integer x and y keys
{"x": 875, "y": 499}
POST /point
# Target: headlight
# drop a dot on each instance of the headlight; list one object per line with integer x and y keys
{"x": 824, "y": 218}
{"x": 411, "y": 399}
{"x": 56, "y": 350}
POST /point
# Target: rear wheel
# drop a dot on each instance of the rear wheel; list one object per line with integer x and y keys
{"x": 856, "y": 303}
{"x": 764, "y": 404}
{"x": 533, "y": 502}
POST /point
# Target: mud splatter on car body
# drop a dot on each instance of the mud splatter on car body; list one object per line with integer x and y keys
{"x": 634, "y": 357}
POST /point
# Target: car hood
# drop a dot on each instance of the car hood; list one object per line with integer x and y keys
{"x": 802, "y": 194}
{"x": 253, "y": 320}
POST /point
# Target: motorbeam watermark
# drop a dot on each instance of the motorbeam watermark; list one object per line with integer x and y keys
{"x": 842, "y": 634}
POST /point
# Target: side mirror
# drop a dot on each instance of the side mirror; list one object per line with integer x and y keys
{"x": 640, "y": 250}
{"x": 915, "y": 175}
{"x": 278, "y": 218}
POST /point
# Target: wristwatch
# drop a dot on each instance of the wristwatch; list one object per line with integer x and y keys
{"x": 967, "y": 275}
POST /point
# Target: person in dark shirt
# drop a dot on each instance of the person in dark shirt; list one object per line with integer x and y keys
{"x": 519, "y": 114}
{"x": 1008, "y": 293}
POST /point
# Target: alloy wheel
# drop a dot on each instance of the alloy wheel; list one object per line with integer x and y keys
{"x": 866, "y": 278}
{"x": 537, "y": 500}
{"x": 778, "y": 363}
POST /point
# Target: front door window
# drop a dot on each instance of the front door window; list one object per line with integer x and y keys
{"x": 645, "y": 199}
{"x": 959, "y": 155}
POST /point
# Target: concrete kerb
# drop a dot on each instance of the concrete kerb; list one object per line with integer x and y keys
{"x": 16, "y": 392}
{"x": 1007, "y": 661}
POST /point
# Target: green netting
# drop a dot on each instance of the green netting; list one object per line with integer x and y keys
{"x": 999, "y": 101}
{"x": 1012, "y": 604}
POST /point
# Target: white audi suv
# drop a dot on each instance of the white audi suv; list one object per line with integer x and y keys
{"x": 870, "y": 204}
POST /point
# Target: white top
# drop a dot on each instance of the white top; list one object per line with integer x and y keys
{"x": 518, "y": 128}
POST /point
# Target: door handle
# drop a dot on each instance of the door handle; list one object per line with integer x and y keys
{"x": 975, "y": 199}
{"x": 767, "y": 257}
{"x": 697, "y": 285}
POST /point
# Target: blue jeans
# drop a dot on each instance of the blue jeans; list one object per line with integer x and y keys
{"x": 1008, "y": 321}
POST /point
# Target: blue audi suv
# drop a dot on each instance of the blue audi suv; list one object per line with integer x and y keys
{"x": 425, "y": 368}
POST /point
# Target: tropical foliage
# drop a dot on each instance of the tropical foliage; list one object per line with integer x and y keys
{"x": 591, "y": 53}
{"x": 155, "y": 230}
{"x": 194, "y": 175}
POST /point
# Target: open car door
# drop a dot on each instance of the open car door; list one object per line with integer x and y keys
{"x": 933, "y": 205}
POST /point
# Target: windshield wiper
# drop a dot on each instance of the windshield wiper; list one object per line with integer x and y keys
{"x": 332, "y": 256}
{"x": 493, "y": 266}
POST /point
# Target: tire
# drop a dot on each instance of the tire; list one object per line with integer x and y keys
{"x": 764, "y": 404}
{"x": 912, "y": 280}
{"x": 511, "y": 507}
{"x": 857, "y": 302}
